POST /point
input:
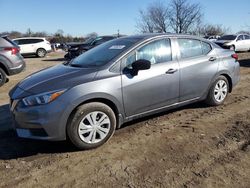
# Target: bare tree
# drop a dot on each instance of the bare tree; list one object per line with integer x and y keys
{"x": 59, "y": 33}
{"x": 28, "y": 33}
{"x": 183, "y": 15}
{"x": 12, "y": 34}
{"x": 153, "y": 19}
{"x": 91, "y": 35}
{"x": 243, "y": 32}
{"x": 144, "y": 24}
{"x": 212, "y": 30}
{"x": 158, "y": 14}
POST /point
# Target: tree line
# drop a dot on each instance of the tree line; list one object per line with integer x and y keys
{"x": 57, "y": 37}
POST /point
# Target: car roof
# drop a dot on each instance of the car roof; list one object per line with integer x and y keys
{"x": 155, "y": 35}
{"x": 30, "y": 38}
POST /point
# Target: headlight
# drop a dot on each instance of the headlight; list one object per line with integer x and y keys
{"x": 42, "y": 98}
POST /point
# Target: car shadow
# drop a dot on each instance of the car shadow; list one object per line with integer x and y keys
{"x": 244, "y": 63}
{"x": 197, "y": 105}
{"x": 12, "y": 147}
{"x": 55, "y": 59}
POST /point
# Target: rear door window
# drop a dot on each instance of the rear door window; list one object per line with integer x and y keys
{"x": 206, "y": 48}
{"x": 191, "y": 48}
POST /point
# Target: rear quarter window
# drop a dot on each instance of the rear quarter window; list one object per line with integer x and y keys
{"x": 33, "y": 41}
{"x": 206, "y": 48}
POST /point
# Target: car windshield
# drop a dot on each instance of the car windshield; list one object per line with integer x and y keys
{"x": 89, "y": 40}
{"x": 104, "y": 53}
{"x": 228, "y": 37}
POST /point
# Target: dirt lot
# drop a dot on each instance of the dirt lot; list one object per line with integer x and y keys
{"x": 194, "y": 146}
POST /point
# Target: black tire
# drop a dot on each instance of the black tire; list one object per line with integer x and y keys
{"x": 232, "y": 48}
{"x": 3, "y": 77}
{"x": 80, "y": 116}
{"x": 211, "y": 97}
{"x": 41, "y": 52}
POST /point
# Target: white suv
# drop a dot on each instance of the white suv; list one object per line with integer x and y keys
{"x": 33, "y": 46}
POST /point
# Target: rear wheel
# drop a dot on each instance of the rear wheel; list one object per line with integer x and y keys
{"x": 41, "y": 52}
{"x": 92, "y": 125}
{"x": 3, "y": 77}
{"x": 218, "y": 91}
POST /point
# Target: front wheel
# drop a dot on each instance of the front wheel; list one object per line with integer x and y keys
{"x": 3, "y": 77}
{"x": 218, "y": 91}
{"x": 91, "y": 126}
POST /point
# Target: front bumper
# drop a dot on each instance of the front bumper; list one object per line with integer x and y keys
{"x": 44, "y": 122}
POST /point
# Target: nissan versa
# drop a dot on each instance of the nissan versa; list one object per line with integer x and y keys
{"x": 89, "y": 97}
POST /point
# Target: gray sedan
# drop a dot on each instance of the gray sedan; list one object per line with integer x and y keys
{"x": 86, "y": 99}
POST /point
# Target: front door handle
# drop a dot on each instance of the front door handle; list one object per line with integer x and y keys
{"x": 212, "y": 58}
{"x": 171, "y": 71}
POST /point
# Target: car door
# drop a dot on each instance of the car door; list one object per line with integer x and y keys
{"x": 153, "y": 88}
{"x": 198, "y": 66}
{"x": 240, "y": 43}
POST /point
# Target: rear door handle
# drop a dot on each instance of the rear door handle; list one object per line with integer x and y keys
{"x": 212, "y": 58}
{"x": 171, "y": 71}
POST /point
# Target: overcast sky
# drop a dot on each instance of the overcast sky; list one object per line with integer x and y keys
{"x": 80, "y": 17}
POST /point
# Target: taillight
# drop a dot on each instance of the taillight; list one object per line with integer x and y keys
{"x": 14, "y": 51}
{"x": 235, "y": 56}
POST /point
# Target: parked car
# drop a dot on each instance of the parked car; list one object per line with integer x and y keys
{"x": 76, "y": 49}
{"x": 89, "y": 97}
{"x": 212, "y": 38}
{"x": 11, "y": 61}
{"x": 239, "y": 42}
{"x": 33, "y": 46}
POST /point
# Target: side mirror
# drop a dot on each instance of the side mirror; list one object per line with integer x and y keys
{"x": 141, "y": 64}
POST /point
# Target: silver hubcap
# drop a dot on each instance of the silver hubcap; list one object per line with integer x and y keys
{"x": 220, "y": 90}
{"x": 94, "y": 127}
{"x": 41, "y": 53}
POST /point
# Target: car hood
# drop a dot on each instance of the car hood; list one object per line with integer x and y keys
{"x": 51, "y": 79}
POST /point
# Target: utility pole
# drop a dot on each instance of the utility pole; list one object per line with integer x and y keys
{"x": 118, "y": 33}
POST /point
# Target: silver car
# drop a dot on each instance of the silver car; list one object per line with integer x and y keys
{"x": 86, "y": 99}
{"x": 11, "y": 61}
